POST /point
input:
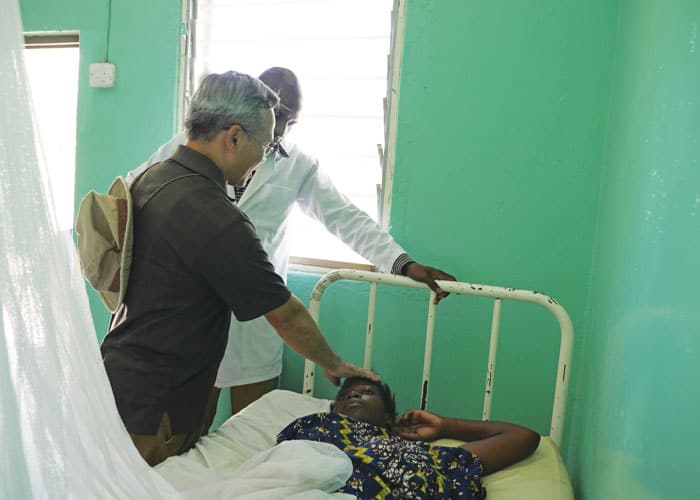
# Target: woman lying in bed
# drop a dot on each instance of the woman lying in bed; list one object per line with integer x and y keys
{"x": 389, "y": 456}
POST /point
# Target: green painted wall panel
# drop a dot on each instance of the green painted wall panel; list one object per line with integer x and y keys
{"x": 501, "y": 135}
{"x": 642, "y": 345}
{"x": 117, "y": 127}
{"x": 501, "y": 130}
{"x": 516, "y": 166}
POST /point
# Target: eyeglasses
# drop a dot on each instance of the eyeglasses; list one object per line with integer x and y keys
{"x": 273, "y": 147}
{"x": 284, "y": 113}
{"x": 269, "y": 149}
{"x": 281, "y": 108}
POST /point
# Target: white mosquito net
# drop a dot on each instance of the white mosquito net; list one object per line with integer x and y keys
{"x": 60, "y": 433}
{"x": 61, "y": 436}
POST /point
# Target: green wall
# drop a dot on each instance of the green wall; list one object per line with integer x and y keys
{"x": 555, "y": 146}
{"x": 503, "y": 106}
{"x": 501, "y": 135}
{"x": 117, "y": 127}
{"x": 639, "y": 418}
{"x": 547, "y": 145}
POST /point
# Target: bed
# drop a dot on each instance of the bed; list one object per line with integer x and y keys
{"x": 239, "y": 460}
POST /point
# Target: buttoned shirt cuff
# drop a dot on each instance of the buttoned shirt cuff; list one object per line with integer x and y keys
{"x": 400, "y": 263}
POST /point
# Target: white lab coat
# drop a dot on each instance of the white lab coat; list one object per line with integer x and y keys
{"x": 254, "y": 350}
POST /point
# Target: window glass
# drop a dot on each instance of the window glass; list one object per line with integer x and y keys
{"x": 339, "y": 51}
{"x": 53, "y": 82}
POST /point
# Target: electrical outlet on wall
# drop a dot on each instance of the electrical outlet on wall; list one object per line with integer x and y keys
{"x": 102, "y": 75}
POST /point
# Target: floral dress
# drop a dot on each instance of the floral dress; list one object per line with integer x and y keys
{"x": 386, "y": 466}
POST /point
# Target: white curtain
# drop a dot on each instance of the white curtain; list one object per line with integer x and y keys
{"x": 60, "y": 434}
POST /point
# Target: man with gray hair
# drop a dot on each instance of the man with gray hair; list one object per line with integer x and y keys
{"x": 196, "y": 258}
{"x": 252, "y": 362}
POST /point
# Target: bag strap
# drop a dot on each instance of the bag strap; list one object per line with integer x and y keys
{"x": 169, "y": 181}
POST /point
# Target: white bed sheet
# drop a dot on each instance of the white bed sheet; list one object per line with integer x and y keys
{"x": 215, "y": 457}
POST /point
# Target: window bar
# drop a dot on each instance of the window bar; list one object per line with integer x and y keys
{"x": 493, "y": 351}
{"x": 398, "y": 24}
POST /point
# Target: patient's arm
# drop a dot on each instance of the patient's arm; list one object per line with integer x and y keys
{"x": 498, "y": 444}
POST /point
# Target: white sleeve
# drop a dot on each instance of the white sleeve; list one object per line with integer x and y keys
{"x": 163, "y": 153}
{"x": 320, "y": 199}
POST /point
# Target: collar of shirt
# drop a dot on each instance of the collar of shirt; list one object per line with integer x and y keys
{"x": 199, "y": 163}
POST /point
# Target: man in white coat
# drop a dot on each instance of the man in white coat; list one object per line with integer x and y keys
{"x": 253, "y": 359}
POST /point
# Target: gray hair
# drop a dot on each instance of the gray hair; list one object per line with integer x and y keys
{"x": 226, "y": 99}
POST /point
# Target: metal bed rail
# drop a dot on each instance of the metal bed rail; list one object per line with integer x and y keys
{"x": 458, "y": 288}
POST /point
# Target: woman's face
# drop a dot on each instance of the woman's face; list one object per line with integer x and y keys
{"x": 362, "y": 401}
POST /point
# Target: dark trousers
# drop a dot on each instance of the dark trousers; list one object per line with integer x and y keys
{"x": 163, "y": 444}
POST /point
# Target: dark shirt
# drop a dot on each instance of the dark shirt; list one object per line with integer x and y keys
{"x": 387, "y": 466}
{"x": 195, "y": 259}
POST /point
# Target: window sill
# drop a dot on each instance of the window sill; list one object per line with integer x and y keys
{"x": 306, "y": 264}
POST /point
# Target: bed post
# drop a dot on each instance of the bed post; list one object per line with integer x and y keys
{"x": 370, "y": 325}
{"x": 491, "y": 366}
{"x": 309, "y": 366}
{"x": 428, "y": 352}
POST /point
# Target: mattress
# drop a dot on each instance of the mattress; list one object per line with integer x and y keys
{"x": 541, "y": 476}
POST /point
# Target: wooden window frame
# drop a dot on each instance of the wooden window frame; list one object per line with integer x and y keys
{"x": 51, "y": 40}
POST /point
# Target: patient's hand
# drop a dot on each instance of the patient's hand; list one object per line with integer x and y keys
{"x": 419, "y": 425}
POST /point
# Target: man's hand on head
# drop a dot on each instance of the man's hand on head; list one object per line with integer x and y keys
{"x": 345, "y": 370}
{"x": 428, "y": 275}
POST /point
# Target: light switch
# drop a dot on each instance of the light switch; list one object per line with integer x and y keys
{"x": 102, "y": 75}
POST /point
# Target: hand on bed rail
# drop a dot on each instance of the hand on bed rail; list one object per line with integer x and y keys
{"x": 428, "y": 275}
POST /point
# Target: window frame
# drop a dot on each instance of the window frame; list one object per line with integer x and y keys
{"x": 68, "y": 39}
{"x": 188, "y": 68}
{"x": 188, "y": 36}
{"x": 387, "y": 152}
{"x": 51, "y": 39}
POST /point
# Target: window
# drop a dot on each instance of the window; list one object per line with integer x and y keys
{"x": 52, "y": 70}
{"x": 339, "y": 50}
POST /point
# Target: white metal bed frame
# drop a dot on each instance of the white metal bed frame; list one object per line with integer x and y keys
{"x": 497, "y": 293}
